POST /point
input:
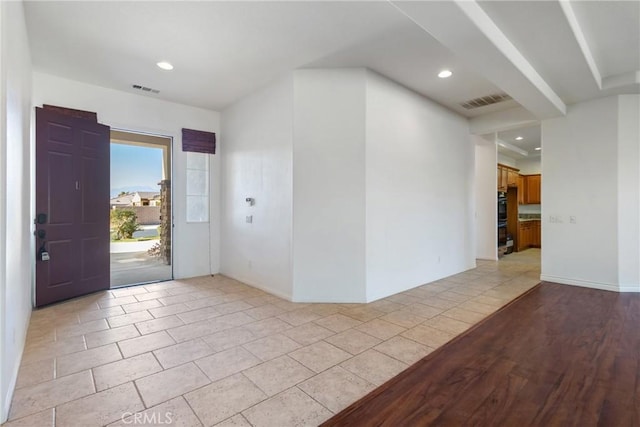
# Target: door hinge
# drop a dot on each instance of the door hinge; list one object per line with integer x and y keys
{"x": 77, "y": 185}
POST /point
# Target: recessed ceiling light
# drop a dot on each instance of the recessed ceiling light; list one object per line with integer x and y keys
{"x": 538, "y": 148}
{"x": 165, "y": 65}
{"x": 444, "y": 74}
{"x": 519, "y": 138}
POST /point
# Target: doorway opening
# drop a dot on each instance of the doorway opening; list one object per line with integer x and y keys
{"x": 140, "y": 209}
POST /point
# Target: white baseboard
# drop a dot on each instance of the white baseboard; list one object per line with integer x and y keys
{"x": 328, "y": 301}
{"x": 279, "y": 294}
{"x": 587, "y": 284}
{"x": 275, "y": 292}
{"x": 6, "y": 400}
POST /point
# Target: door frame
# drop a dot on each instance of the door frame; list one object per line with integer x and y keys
{"x": 171, "y": 170}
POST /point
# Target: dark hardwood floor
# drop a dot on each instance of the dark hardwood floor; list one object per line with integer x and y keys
{"x": 557, "y": 356}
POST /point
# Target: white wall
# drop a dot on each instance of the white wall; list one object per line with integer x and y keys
{"x": 363, "y": 188}
{"x": 15, "y": 183}
{"x": 580, "y": 179}
{"x": 629, "y": 192}
{"x": 329, "y": 185}
{"x": 530, "y": 209}
{"x": 529, "y": 166}
{"x": 419, "y": 204}
{"x": 506, "y": 160}
{"x": 257, "y": 163}
{"x": 122, "y": 110}
{"x": 486, "y": 206}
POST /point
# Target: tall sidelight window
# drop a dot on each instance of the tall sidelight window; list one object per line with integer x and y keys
{"x": 198, "y": 145}
{"x": 197, "y": 187}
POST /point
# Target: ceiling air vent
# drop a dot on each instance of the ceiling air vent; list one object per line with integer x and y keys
{"x": 145, "y": 89}
{"x": 485, "y": 100}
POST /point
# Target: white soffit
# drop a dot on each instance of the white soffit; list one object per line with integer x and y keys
{"x": 542, "y": 32}
{"x": 612, "y": 31}
{"x": 562, "y": 39}
{"x": 544, "y": 54}
{"x": 410, "y": 56}
{"x": 530, "y": 138}
{"x": 465, "y": 28}
{"x": 513, "y": 118}
{"x": 525, "y": 148}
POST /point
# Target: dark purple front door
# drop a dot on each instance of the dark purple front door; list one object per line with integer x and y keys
{"x": 72, "y": 207}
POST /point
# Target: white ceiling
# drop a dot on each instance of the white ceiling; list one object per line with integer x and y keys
{"x": 409, "y": 55}
{"x": 544, "y": 54}
{"x": 530, "y": 141}
{"x": 540, "y": 29}
{"x": 612, "y": 30}
{"x": 220, "y": 50}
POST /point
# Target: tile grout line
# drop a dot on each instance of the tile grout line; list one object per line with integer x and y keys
{"x": 401, "y": 306}
{"x": 314, "y": 399}
{"x": 135, "y": 385}
{"x": 191, "y": 407}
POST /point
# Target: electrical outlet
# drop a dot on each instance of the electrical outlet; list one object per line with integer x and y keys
{"x": 552, "y": 218}
{"x": 249, "y": 219}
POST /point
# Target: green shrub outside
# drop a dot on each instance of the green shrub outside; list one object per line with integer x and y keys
{"x": 124, "y": 222}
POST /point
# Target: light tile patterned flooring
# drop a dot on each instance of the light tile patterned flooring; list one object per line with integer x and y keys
{"x": 214, "y": 351}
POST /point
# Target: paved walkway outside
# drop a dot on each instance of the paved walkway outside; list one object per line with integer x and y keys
{"x": 131, "y": 264}
{"x": 129, "y": 268}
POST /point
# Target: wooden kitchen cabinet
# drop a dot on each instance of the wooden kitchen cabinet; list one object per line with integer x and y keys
{"x": 533, "y": 196}
{"x": 537, "y": 235}
{"x": 507, "y": 177}
{"x": 512, "y": 178}
{"x": 530, "y": 232}
{"x": 529, "y": 235}
{"x": 522, "y": 189}
{"x": 502, "y": 179}
{"x": 523, "y": 235}
{"x": 529, "y": 192}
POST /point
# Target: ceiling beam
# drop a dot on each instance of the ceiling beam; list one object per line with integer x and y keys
{"x": 567, "y": 9}
{"x": 622, "y": 83}
{"x": 464, "y": 28}
{"x": 513, "y": 118}
{"x": 511, "y": 147}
